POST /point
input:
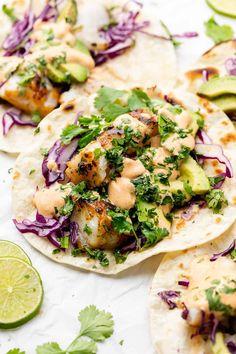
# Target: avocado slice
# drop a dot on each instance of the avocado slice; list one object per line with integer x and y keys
{"x": 194, "y": 175}
{"x": 219, "y": 346}
{"x": 194, "y": 124}
{"x": 226, "y": 102}
{"x": 178, "y": 186}
{"x": 77, "y": 72}
{"x": 218, "y": 86}
{"x": 69, "y": 13}
{"x": 81, "y": 47}
{"x": 57, "y": 75}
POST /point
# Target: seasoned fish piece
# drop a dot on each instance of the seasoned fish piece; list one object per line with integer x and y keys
{"x": 34, "y": 97}
{"x": 95, "y": 229}
{"x": 85, "y": 166}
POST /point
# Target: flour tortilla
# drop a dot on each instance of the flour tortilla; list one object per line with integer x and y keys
{"x": 213, "y": 61}
{"x": 170, "y": 333}
{"x": 151, "y": 61}
{"x": 205, "y": 226}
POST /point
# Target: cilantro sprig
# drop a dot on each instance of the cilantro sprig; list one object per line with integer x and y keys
{"x": 218, "y": 33}
{"x": 96, "y": 326}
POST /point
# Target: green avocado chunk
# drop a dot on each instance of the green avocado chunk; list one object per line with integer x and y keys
{"x": 194, "y": 175}
{"x": 226, "y": 102}
{"x": 77, "y": 72}
{"x": 219, "y": 346}
{"x": 69, "y": 13}
{"x": 178, "y": 186}
{"x": 218, "y": 86}
{"x": 81, "y": 47}
{"x": 56, "y": 75}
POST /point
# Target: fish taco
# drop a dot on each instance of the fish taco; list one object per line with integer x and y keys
{"x": 193, "y": 299}
{"x": 119, "y": 176}
{"x": 47, "y": 50}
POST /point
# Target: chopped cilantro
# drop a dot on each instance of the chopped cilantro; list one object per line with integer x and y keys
{"x": 37, "y": 130}
{"x": 64, "y": 241}
{"x": 27, "y": 75}
{"x": 78, "y": 189}
{"x": 233, "y": 254}
{"x": 120, "y": 221}
{"x": 216, "y": 200}
{"x": 87, "y": 229}
{"x": 217, "y": 32}
{"x": 115, "y": 158}
{"x": 200, "y": 122}
{"x": 68, "y": 207}
{"x": 184, "y": 152}
{"x": 105, "y": 96}
{"x": 166, "y": 127}
{"x": 152, "y": 233}
{"x": 179, "y": 198}
{"x": 215, "y": 304}
{"x": 36, "y": 118}
{"x": 56, "y": 251}
{"x": 44, "y": 151}
{"x": 139, "y": 99}
{"x": 146, "y": 190}
{"x": 9, "y": 11}
{"x": 31, "y": 171}
{"x": 98, "y": 153}
{"x": 119, "y": 258}
{"x": 215, "y": 180}
{"x": 76, "y": 252}
{"x": 98, "y": 255}
{"x": 188, "y": 188}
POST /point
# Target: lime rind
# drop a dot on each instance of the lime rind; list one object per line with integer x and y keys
{"x": 223, "y": 7}
{"x": 21, "y": 292}
{"x": 10, "y": 249}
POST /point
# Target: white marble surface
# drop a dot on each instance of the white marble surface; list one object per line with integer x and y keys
{"x": 67, "y": 291}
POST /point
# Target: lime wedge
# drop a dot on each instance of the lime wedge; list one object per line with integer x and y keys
{"x": 21, "y": 292}
{"x": 10, "y": 249}
{"x": 224, "y": 7}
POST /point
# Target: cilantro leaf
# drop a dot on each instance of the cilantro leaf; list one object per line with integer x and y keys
{"x": 113, "y": 110}
{"x": 119, "y": 221}
{"x": 15, "y": 351}
{"x": 68, "y": 207}
{"x": 152, "y": 233}
{"x": 119, "y": 258}
{"x": 99, "y": 255}
{"x": 215, "y": 304}
{"x": 105, "y": 96}
{"x": 70, "y": 132}
{"x": 217, "y": 32}
{"x": 9, "y": 12}
{"x": 95, "y": 324}
{"x": 50, "y": 348}
{"x": 166, "y": 127}
{"x": 216, "y": 200}
{"x": 80, "y": 346}
{"x": 139, "y": 99}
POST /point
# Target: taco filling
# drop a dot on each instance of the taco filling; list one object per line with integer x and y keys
{"x": 206, "y": 298}
{"x": 115, "y": 180}
{"x": 41, "y": 58}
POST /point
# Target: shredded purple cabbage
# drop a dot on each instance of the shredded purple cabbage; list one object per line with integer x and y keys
{"x": 184, "y": 283}
{"x": 185, "y": 312}
{"x": 224, "y": 253}
{"x": 41, "y": 226}
{"x": 12, "y": 117}
{"x": 232, "y": 347}
{"x": 186, "y": 35}
{"x": 207, "y": 327}
{"x": 188, "y": 213}
{"x": 205, "y": 75}
{"x": 203, "y": 137}
{"x": 214, "y": 152}
{"x": 60, "y": 154}
{"x": 119, "y": 37}
{"x": 18, "y": 41}
{"x": 20, "y": 30}
{"x": 74, "y": 233}
{"x": 230, "y": 66}
{"x": 169, "y": 297}
{"x": 133, "y": 246}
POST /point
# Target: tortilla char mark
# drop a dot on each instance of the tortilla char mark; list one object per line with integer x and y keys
{"x": 195, "y": 74}
{"x": 218, "y": 47}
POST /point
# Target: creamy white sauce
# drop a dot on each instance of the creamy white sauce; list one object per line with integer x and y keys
{"x": 132, "y": 168}
{"x": 121, "y": 193}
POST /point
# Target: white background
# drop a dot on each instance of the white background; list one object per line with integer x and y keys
{"x": 67, "y": 291}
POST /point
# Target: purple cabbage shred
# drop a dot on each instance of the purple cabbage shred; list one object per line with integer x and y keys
{"x": 184, "y": 283}
{"x": 13, "y": 117}
{"x": 230, "y": 66}
{"x": 232, "y": 347}
{"x": 207, "y": 327}
{"x": 169, "y": 297}
{"x": 60, "y": 154}
{"x": 224, "y": 253}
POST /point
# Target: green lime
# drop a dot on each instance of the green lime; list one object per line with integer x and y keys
{"x": 10, "y": 249}
{"x": 224, "y": 7}
{"x": 21, "y": 292}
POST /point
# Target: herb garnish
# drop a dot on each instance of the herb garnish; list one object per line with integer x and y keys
{"x": 98, "y": 255}
{"x": 217, "y": 32}
{"x": 216, "y": 200}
